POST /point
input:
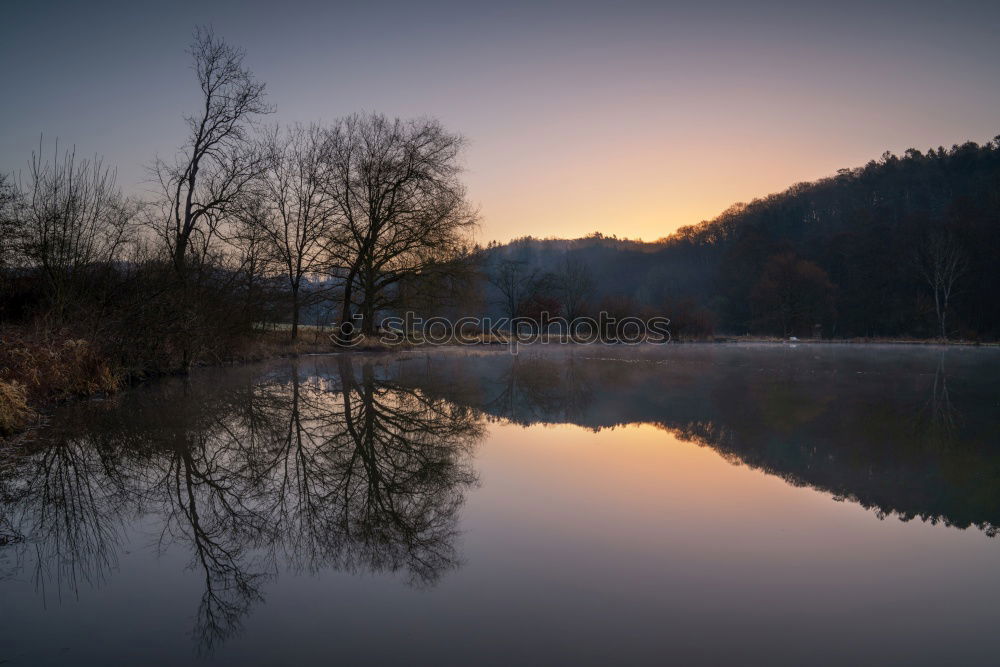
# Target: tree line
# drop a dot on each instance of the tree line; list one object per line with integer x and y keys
{"x": 249, "y": 222}
{"x": 903, "y": 246}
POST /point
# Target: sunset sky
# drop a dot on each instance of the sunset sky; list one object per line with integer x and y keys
{"x": 628, "y": 118}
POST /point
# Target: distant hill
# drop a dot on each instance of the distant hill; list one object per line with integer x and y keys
{"x": 616, "y": 266}
{"x": 903, "y": 246}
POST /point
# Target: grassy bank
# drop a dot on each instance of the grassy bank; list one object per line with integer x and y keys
{"x": 40, "y": 368}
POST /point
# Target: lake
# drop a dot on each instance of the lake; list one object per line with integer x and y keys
{"x": 591, "y": 505}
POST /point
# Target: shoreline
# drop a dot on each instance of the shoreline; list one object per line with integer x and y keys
{"x": 22, "y": 412}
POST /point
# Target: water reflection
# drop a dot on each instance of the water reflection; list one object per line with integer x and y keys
{"x": 910, "y": 433}
{"x": 326, "y": 466}
{"x": 362, "y": 464}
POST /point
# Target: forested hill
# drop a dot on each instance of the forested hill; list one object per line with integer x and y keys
{"x": 903, "y": 246}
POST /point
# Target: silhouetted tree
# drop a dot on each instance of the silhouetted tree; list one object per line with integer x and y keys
{"x": 218, "y": 163}
{"x": 941, "y": 262}
{"x": 297, "y": 217}
{"x": 401, "y": 205}
{"x": 516, "y": 282}
{"x": 575, "y": 287}
{"x": 252, "y": 258}
{"x": 72, "y": 218}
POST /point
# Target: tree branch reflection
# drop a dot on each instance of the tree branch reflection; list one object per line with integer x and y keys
{"x": 329, "y": 466}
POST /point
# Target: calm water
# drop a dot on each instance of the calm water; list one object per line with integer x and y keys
{"x": 679, "y": 504}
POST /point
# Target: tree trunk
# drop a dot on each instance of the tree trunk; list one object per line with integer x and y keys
{"x": 295, "y": 312}
{"x": 939, "y": 311}
{"x": 368, "y": 324}
{"x": 345, "y": 313}
{"x": 368, "y": 310}
{"x": 179, "y": 256}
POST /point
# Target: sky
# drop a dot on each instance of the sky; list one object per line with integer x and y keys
{"x": 628, "y": 118}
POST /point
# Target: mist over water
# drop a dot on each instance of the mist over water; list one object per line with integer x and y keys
{"x": 594, "y": 504}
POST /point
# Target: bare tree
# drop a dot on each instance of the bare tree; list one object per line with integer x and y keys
{"x": 517, "y": 283}
{"x": 72, "y": 217}
{"x": 941, "y": 262}
{"x": 297, "y": 220}
{"x": 218, "y": 163}
{"x": 575, "y": 287}
{"x": 252, "y": 257}
{"x": 402, "y": 208}
{"x": 451, "y": 287}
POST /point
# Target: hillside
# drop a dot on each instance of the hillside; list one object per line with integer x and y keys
{"x": 903, "y": 246}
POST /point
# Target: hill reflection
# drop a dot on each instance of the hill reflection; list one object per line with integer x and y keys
{"x": 904, "y": 432}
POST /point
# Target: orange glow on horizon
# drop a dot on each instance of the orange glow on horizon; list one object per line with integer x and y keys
{"x": 644, "y": 193}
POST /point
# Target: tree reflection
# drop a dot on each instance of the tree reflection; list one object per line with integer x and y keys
{"x": 64, "y": 506}
{"x": 322, "y": 467}
{"x": 940, "y": 412}
{"x": 398, "y": 479}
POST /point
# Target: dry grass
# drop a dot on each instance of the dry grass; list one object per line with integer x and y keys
{"x": 311, "y": 340}
{"x": 15, "y": 414}
{"x": 55, "y": 366}
{"x": 278, "y": 343}
{"x": 40, "y": 368}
